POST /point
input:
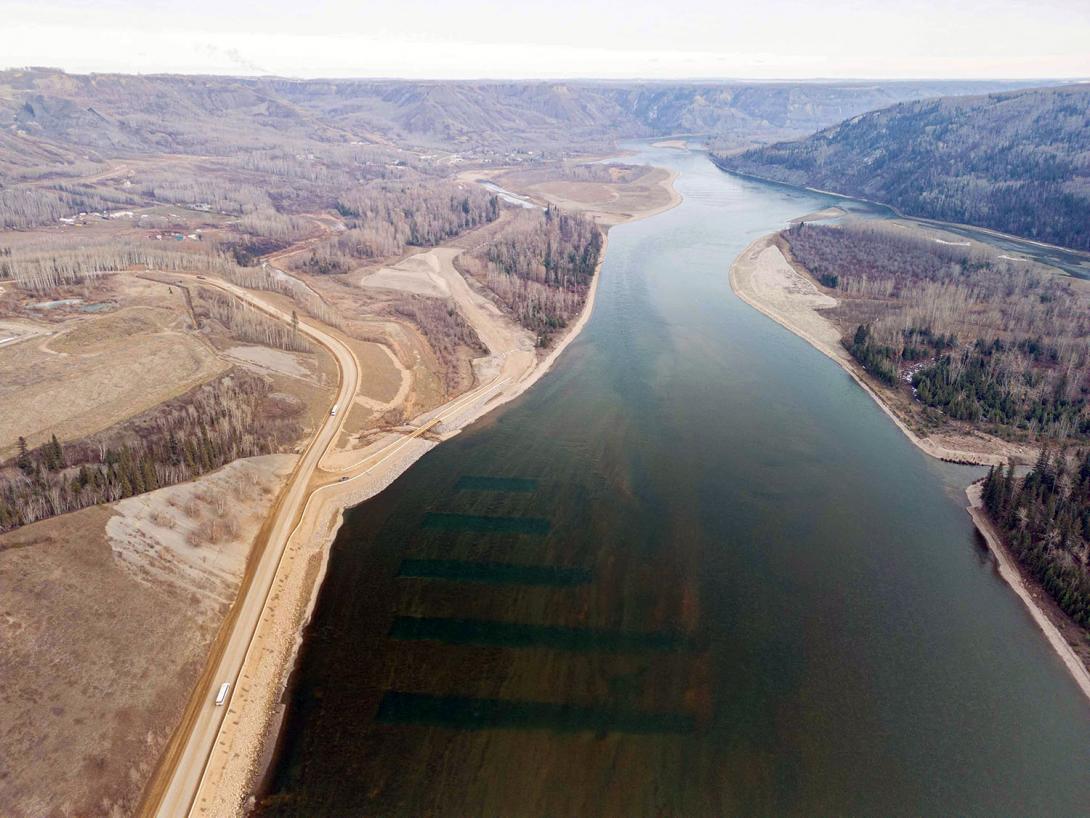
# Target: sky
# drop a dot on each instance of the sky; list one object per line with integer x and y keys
{"x": 522, "y": 39}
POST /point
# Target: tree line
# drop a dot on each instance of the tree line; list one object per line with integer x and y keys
{"x": 22, "y": 208}
{"x": 1045, "y": 521}
{"x": 989, "y": 341}
{"x": 43, "y": 271}
{"x": 447, "y": 333}
{"x": 246, "y": 323}
{"x": 540, "y": 267}
{"x": 234, "y": 416}
{"x": 384, "y": 218}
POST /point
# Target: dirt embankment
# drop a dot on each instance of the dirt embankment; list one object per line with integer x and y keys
{"x": 106, "y": 617}
{"x": 510, "y": 368}
{"x": 629, "y": 195}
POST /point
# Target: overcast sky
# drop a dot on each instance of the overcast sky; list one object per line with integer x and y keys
{"x": 761, "y": 39}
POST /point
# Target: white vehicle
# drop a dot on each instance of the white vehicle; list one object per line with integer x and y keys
{"x": 333, "y": 411}
{"x": 221, "y": 697}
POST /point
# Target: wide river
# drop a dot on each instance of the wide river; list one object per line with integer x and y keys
{"x": 695, "y": 571}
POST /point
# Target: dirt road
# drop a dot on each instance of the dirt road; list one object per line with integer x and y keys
{"x": 219, "y": 751}
{"x": 172, "y": 790}
{"x": 185, "y": 768}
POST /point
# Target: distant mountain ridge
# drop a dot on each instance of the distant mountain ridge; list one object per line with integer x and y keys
{"x": 1017, "y": 162}
{"x": 197, "y": 114}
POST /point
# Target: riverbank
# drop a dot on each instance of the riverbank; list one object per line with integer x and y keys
{"x": 763, "y": 278}
{"x": 246, "y": 741}
{"x": 1078, "y": 268}
{"x": 1065, "y": 637}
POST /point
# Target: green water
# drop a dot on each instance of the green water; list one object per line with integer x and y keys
{"x": 695, "y": 571}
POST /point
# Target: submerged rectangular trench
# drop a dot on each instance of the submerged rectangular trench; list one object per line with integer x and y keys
{"x": 475, "y": 482}
{"x": 494, "y": 573}
{"x": 472, "y": 714}
{"x": 498, "y": 714}
{"x": 520, "y": 635}
{"x": 451, "y": 521}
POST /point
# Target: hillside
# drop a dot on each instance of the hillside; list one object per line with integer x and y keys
{"x": 1018, "y": 162}
{"x": 127, "y": 115}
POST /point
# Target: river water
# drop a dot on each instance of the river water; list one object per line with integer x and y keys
{"x": 695, "y": 571}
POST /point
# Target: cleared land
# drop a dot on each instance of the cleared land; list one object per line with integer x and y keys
{"x": 416, "y": 274}
{"x": 243, "y": 742}
{"x": 107, "y": 614}
{"x": 84, "y": 352}
{"x": 610, "y": 194}
{"x": 94, "y": 371}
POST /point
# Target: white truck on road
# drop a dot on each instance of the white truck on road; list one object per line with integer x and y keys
{"x": 221, "y": 697}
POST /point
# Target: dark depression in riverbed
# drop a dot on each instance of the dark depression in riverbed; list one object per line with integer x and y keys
{"x": 695, "y": 571}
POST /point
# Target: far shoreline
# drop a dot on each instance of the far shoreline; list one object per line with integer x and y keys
{"x": 741, "y": 276}
{"x": 898, "y": 213}
{"x": 1028, "y": 590}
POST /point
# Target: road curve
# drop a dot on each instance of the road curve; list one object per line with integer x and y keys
{"x": 182, "y": 777}
{"x": 175, "y": 784}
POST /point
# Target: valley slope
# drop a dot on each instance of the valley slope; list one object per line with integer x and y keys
{"x": 1016, "y": 162}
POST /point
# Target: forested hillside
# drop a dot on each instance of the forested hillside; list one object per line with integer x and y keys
{"x": 1018, "y": 162}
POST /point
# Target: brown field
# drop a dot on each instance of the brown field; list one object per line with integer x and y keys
{"x": 106, "y": 617}
{"x": 412, "y": 275}
{"x": 385, "y": 384}
{"x": 95, "y": 371}
{"x": 383, "y": 376}
{"x": 629, "y": 193}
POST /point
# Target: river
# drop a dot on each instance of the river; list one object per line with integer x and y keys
{"x": 695, "y": 571}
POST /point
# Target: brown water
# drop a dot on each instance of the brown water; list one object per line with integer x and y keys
{"x": 695, "y": 572}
